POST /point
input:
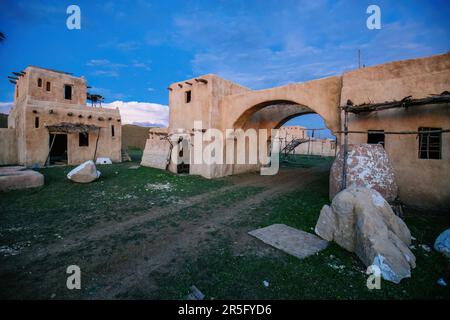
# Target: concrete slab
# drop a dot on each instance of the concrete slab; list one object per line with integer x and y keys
{"x": 12, "y": 178}
{"x": 290, "y": 240}
{"x": 4, "y": 171}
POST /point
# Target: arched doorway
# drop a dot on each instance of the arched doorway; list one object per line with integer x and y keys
{"x": 275, "y": 114}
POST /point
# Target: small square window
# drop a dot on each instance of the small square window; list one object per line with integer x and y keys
{"x": 430, "y": 143}
{"x": 83, "y": 139}
{"x": 48, "y": 86}
{"x": 67, "y": 92}
{"x": 375, "y": 137}
{"x": 188, "y": 96}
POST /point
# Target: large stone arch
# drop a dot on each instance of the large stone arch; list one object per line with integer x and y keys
{"x": 319, "y": 96}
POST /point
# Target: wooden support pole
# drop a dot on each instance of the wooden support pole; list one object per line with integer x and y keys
{"x": 50, "y": 150}
{"x": 96, "y": 144}
{"x": 344, "y": 164}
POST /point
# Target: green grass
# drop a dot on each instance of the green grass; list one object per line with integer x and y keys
{"x": 304, "y": 161}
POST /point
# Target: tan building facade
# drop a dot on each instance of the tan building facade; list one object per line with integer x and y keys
{"x": 51, "y": 123}
{"x": 311, "y": 145}
{"x": 221, "y": 104}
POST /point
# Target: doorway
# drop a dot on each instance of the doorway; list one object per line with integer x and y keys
{"x": 183, "y": 156}
{"x": 58, "y": 148}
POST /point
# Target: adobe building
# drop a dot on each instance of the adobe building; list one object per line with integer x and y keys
{"x": 309, "y": 145}
{"x": 50, "y": 122}
{"x": 421, "y": 161}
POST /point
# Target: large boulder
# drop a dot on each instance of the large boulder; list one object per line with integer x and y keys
{"x": 84, "y": 173}
{"x": 367, "y": 166}
{"x": 442, "y": 243}
{"x": 360, "y": 220}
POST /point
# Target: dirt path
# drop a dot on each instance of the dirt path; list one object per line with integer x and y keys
{"x": 186, "y": 241}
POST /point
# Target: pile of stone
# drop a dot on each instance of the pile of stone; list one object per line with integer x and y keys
{"x": 360, "y": 220}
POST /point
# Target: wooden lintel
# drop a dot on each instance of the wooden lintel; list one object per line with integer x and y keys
{"x": 201, "y": 80}
{"x": 404, "y": 103}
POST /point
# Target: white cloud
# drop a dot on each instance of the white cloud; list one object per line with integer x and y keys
{"x": 107, "y": 73}
{"x": 104, "y": 67}
{"x": 97, "y": 62}
{"x": 142, "y": 113}
{"x": 5, "y": 107}
{"x": 130, "y": 45}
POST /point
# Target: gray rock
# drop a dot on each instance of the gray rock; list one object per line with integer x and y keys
{"x": 84, "y": 173}
{"x": 442, "y": 243}
{"x": 361, "y": 221}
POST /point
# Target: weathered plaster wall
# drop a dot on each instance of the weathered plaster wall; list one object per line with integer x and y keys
{"x": 57, "y": 81}
{"x": 422, "y": 182}
{"x": 156, "y": 150}
{"x": 205, "y": 106}
{"x": 37, "y": 139}
{"x": 318, "y": 147}
{"x": 8, "y": 147}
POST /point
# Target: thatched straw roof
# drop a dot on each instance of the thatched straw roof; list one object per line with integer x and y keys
{"x": 67, "y": 127}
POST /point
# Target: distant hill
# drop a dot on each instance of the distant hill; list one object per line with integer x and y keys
{"x": 3, "y": 120}
{"x": 134, "y": 136}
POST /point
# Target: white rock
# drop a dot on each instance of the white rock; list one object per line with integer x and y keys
{"x": 442, "y": 282}
{"x": 103, "y": 161}
{"x": 84, "y": 173}
{"x": 442, "y": 243}
{"x": 361, "y": 221}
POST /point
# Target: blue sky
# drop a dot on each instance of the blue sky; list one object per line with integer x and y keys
{"x": 130, "y": 51}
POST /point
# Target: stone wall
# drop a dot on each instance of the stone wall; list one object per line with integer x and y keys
{"x": 318, "y": 147}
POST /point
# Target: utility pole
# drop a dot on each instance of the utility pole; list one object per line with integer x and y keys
{"x": 359, "y": 58}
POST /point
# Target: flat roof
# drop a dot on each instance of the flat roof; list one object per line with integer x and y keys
{"x": 52, "y": 70}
